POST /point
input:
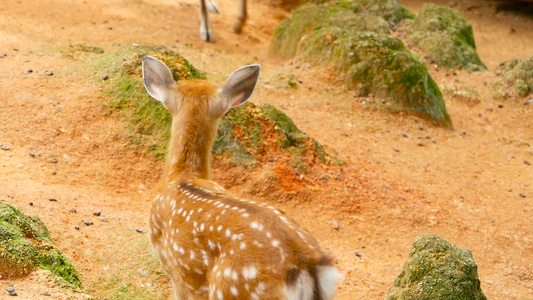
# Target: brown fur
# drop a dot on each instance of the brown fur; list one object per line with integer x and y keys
{"x": 211, "y": 243}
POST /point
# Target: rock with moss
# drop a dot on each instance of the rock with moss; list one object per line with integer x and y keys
{"x": 446, "y": 37}
{"x": 149, "y": 120}
{"x": 382, "y": 66}
{"x": 519, "y": 74}
{"x": 249, "y": 134}
{"x": 390, "y": 10}
{"x": 437, "y": 270}
{"x": 26, "y": 244}
{"x": 243, "y": 134}
{"x": 372, "y": 61}
{"x": 308, "y": 18}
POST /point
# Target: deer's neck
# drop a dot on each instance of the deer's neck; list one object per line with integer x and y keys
{"x": 190, "y": 149}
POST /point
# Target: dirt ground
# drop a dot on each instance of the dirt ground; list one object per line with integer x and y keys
{"x": 473, "y": 186}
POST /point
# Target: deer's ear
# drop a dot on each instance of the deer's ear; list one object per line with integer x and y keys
{"x": 237, "y": 89}
{"x": 158, "y": 79}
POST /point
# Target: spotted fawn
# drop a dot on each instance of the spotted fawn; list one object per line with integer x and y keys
{"x": 206, "y": 34}
{"x": 212, "y": 244}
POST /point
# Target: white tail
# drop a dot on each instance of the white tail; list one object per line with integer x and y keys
{"x": 206, "y": 34}
{"x": 212, "y": 244}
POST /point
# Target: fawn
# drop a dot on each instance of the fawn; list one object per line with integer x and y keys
{"x": 210, "y": 6}
{"x": 212, "y": 244}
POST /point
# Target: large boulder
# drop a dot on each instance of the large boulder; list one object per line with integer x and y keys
{"x": 446, "y": 37}
{"x": 26, "y": 244}
{"x": 437, "y": 270}
{"x": 372, "y": 61}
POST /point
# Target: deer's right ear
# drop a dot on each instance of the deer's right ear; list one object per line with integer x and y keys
{"x": 158, "y": 79}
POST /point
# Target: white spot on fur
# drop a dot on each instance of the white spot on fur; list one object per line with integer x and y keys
{"x": 249, "y": 272}
{"x": 234, "y": 291}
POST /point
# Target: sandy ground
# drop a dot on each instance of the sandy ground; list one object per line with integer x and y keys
{"x": 466, "y": 187}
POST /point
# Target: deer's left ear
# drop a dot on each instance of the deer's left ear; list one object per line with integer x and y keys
{"x": 237, "y": 89}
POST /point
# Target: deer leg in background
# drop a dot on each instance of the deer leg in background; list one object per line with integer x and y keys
{"x": 242, "y": 17}
{"x": 205, "y": 31}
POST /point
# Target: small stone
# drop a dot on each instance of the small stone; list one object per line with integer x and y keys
{"x": 73, "y": 210}
{"x": 271, "y": 159}
{"x": 139, "y": 230}
{"x": 88, "y": 223}
{"x": 422, "y": 128}
{"x": 51, "y": 73}
{"x": 358, "y": 254}
{"x": 97, "y": 213}
{"x": 522, "y": 195}
{"x": 421, "y": 144}
{"x": 338, "y": 178}
{"x": 433, "y": 141}
{"x": 77, "y": 227}
{"x": 527, "y": 162}
{"x": 324, "y": 177}
{"x": 6, "y": 147}
{"x": 30, "y": 71}
{"x": 52, "y": 199}
{"x": 11, "y": 290}
{"x": 144, "y": 273}
{"x": 406, "y": 135}
{"x": 336, "y": 225}
{"x": 500, "y": 105}
{"x": 106, "y": 77}
{"x": 31, "y": 203}
{"x": 104, "y": 219}
{"x": 32, "y": 154}
{"x": 396, "y": 149}
{"x": 296, "y": 171}
{"x": 54, "y": 172}
{"x": 54, "y": 160}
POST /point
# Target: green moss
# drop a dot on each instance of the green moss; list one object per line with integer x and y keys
{"x": 519, "y": 73}
{"x": 307, "y": 18}
{"x": 149, "y": 121}
{"x": 390, "y": 10}
{"x": 446, "y": 37}
{"x": 25, "y": 244}
{"x": 17, "y": 254}
{"x": 381, "y": 66}
{"x": 436, "y": 269}
{"x": 243, "y": 132}
{"x": 359, "y": 46}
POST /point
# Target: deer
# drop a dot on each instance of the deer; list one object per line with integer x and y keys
{"x": 206, "y": 6}
{"x": 211, "y": 243}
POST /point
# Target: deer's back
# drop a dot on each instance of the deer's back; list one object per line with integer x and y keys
{"x": 203, "y": 233}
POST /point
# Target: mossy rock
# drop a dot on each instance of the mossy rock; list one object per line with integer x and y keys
{"x": 437, "y": 270}
{"x": 243, "y": 132}
{"x": 382, "y": 66}
{"x": 361, "y": 49}
{"x": 389, "y": 10}
{"x": 251, "y": 133}
{"x": 149, "y": 120}
{"x": 308, "y": 18}
{"x": 26, "y": 244}
{"x": 519, "y": 73}
{"x": 446, "y": 37}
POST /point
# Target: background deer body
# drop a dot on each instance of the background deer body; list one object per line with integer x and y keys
{"x": 206, "y": 34}
{"x": 212, "y": 244}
